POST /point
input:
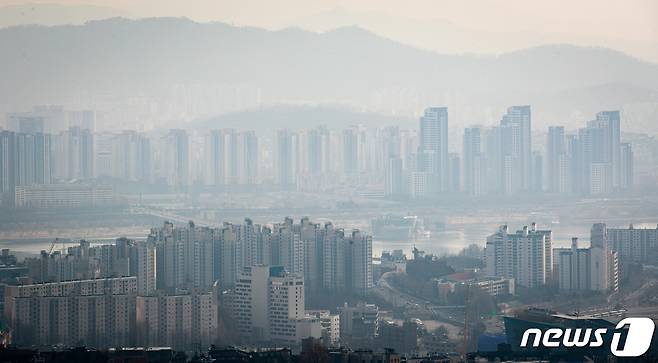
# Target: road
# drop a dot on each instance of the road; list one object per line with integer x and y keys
{"x": 451, "y": 315}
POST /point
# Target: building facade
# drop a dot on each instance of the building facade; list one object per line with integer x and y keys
{"x": 524, "y": 255}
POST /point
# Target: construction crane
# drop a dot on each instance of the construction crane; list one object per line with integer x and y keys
{"x": 52, "y": 246}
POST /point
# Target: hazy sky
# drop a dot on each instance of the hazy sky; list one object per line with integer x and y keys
{"x": 480, "y": 26}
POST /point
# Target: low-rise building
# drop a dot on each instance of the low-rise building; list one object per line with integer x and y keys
{"x": 494, "y": 286}
{"x": 330, "y": 324}
{"x": 359, "y": 324}
{"x": 63, "y": 195}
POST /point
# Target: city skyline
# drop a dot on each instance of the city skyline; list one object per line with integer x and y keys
{"x": 508, "y": 159}
{"x": 434, "y": 181}
{"x": 156, "y": 292}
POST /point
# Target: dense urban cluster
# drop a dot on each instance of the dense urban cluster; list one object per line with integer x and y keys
{"x": 51, "y": 157}
{"x": 167, "y": 290}
{"x": 528, "y": 257}
{"x": 189, "y": 287}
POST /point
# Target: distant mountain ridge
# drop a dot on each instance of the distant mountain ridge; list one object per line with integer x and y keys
{"x": 167, "y": 61}
{"x": 298, "y": 117}
{"x": 54, "y": 14}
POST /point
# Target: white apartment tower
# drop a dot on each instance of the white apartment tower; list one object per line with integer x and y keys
{"x": 433, "y": 146}
{"x": 268, "y": 306}
{"x": 521, "y": 255}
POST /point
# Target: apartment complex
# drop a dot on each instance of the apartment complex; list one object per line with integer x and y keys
{"x": 327, "y": 257}
{"x": 634, "y": 244}
{"x": 98, "y": 313}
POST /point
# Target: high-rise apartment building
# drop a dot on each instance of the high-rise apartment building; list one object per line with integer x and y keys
{"x": 454, "y": 173}
{"x": 580, "y": 269}
{"x": 523, "y": 256}
{"x": 599, "y": 162}
{"x": 231, "y": 157}
{"x": 184, "y": 256}
{"x": 359, "y": 266}
{"x": 326, "y": 257}
{"x": 516, "y": 149}
{"x": 75, "y": 154}
{"x": 626, "y": 166}
{"x": 318, "y": 150}
{"x": 268, "y": 306}
{"x": 351, "y": 155}
{"x": 85, "y": 262}
{"x": 217, "y": 157}
{"x": 610, "y": 123}
{"x": 537, "y": 182}
{"x": 129, "y": 157}
{"x": 493, "y": 159}
{"x": 25, "y": 159}
{"x": 248, "y": 158}
{"x": 573, "y": 267}
{"x": 433, "y": 147}
{"x": 347, "y": 261}
{"x": 286, "y": 163}
{"x": 183, "y": 321}
{"x": 290, "y": 245}
{"x": 472, "y": 161}
{"x": 146, "y": 268}
{"x": 98, "y": 313}
{"x": 638, "y": 245}
{"x": 394, "y": 183}
{"x": 557, "y": 166}
{"x": 175, "y": 159}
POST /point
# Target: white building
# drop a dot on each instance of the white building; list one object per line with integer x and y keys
{"x": 268, "y": 306}
{"x": 360, "y": 255}
{"x": 524, "y": 256}
{"x": 433, "y": 141}
{"x": 496, "y": 286}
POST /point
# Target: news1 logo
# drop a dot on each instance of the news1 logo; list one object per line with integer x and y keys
{"x": 638, "y": 337}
